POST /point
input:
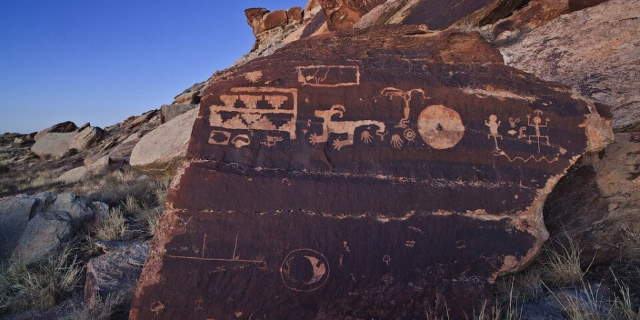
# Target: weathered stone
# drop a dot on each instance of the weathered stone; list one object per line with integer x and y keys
{"x": 122, "y": 152}
{"x": 53, "y": 144}
{"x": 166, "y": 143}
{"x": 595, "y": 51}
{"x": 78, "y": 174}
{"x": 294, "y": 14}
{"x": 582, "y": 4}
{"x": 74, "y": 175}
{"x": 342, "y": 15}
{"x": 43, "y": 236}
{"x": 436, "y": 14}
{"x": 67, "y": 126}
{"x": 22, "y": 141}
{"x": 79, "y": 208}
{"x": 275, "y": 19}
{"x": 255, "y": 19}
{"x": 534, "y": 15}
{"x": 15, "y": 213}
{"x": 115, "y": 272}
{"x": 100, "y": 210}
{"x": 365, "y": 175}
{"x": 86, "y": 137}
{"x": 170, "y": 111}
{"x": 598, "y": 203}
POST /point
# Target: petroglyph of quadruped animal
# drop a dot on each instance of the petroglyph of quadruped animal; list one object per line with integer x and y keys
{"x": 320, "y": 200}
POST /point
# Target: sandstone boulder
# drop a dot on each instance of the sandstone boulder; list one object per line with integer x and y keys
{"x": 365, "y": 174}
{"x": 166, "y": 143}
{"x": 86, "y": 137}
{"x": 53, "y": 144}
{"x": 78, "y": 174}
{"x": 594, "y": 50}
{"x": 67, "y": 126}
{"x": 43, "y": 236}
{"x": 170, "y": 111}
{"x": 115, "y": 272}
{"x": 60, "y": 144}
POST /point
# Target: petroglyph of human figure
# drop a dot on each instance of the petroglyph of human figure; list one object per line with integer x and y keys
{"x": 406, "y": 98}
{"x": 494, "y": 124}
{"x": 536, "y": 123}
{"x": 341, "y": 127}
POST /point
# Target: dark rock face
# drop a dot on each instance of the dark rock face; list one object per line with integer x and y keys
{"x": 115, "y": 272}
{"x": 581, "y": 4}
{"x": 372, "y": 174}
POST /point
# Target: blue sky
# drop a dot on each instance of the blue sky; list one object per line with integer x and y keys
{"x": 101, "y": 61}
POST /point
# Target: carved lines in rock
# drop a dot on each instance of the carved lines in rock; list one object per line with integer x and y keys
{"x": 235, "y": 258}
{"x": 254, "y": 108}
{"x": 439, "y": 126}
{"x": 329, "y": 76}
{"x": 330, "y": 126}
{"x": 523, "y": 133}
{"x": 304, "y": 270}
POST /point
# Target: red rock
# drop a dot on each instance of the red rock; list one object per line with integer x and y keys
{"x": 534, "y": 15}
{"x": 342, "y": 15}
{"x": 255, "y": 19}
{"x": 366, "y": 175}
{"x": 62, "y": 127}
{"x": 275, "y": 19}
{"x": 575, "y": 5}
{"x": 294, "y": 14}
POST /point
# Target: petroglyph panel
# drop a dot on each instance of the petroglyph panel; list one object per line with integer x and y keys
{"x": 369, "y": 185}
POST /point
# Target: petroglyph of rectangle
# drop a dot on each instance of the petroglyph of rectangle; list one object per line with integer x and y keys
{"x": 329, "y": 76}
{"x": 255, "y": 108}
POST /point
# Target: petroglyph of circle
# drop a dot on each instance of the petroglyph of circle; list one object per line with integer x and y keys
{"x": 440, "y": 127}
{"x": 304, "y": 270}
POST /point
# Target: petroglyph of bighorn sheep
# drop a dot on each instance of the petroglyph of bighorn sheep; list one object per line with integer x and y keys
{"x": 341, "y": 127}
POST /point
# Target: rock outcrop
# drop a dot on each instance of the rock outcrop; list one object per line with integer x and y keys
{"x": 34, "y": 227}
{"x": 170, "y": 111}
{"x": 166, "y": 143}
{"x": 423, "y": 139}
{"x": 594, "y": 50}
{"x": 67, "y": 126}
{"x": 598, "y": 203}
{"x": 60, "y": 144}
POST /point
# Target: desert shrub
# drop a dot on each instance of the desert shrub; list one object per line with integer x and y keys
{"x": 113, "y": 227}
{"x": 38, "y": 286}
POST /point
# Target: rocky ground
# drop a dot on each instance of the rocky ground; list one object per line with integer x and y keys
{"x": 79, "y": 204}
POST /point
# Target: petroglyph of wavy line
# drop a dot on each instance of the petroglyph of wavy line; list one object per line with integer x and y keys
{"x": 525, "y": 160}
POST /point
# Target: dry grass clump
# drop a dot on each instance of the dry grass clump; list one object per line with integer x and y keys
{"x": 559, "y": 276}
{"x": 563, "y": 264}
{"x": 101, "y": 309}
{"x": 39, "y": 286}
{"x": 152, "y": 219}
{"x": 113, "y": 227}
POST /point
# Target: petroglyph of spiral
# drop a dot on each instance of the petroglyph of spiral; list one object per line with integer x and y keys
{"x": 440, "y": 127}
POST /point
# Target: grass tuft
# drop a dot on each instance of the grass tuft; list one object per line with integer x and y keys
{"x": 40, "y": 286}
{"x": 113, "y": 227}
